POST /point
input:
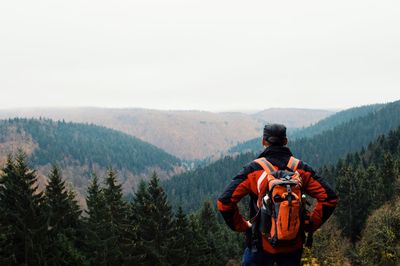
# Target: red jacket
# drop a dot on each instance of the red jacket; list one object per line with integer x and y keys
{"x": 245, "y": 183}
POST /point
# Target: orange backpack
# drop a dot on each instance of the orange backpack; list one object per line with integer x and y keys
{"x": 280, "y": 203}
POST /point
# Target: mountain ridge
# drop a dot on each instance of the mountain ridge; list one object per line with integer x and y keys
{"x": 189, "y": 135}
{"x": 80, "y": 149}
{"x": 314, "y": 129}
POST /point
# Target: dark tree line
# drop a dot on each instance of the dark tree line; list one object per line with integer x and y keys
{"x": 365, "y": 181}
{"x": 336, "y": 136}
{"x": 365, "y": 226}
{"x": 49, "y": 228}
{"x": 331, "y": 145}
{"x": 190, "y": 189}
{"x": 86, "y": 144}
{"x": 317, "y": 128}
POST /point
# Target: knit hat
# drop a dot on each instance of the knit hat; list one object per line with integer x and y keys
{"x": 275, "y": 133}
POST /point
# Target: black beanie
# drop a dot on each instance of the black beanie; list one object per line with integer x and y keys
{"x": 275, "y": 134}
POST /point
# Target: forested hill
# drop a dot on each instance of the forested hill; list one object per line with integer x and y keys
{"x": 189, "y": 135}
{"x": 80, "y": 148}
{"x": 350, "y": 136}
{"x": 368, "y": 184}
{"x": 319, "y": 127}
{"x": 190, "y": 189}
{"x": 325, "y": 148}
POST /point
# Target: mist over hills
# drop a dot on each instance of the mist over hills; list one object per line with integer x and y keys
{"x": 186, "y": 134}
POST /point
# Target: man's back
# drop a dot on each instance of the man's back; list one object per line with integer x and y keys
{"x": 245, "y": 183}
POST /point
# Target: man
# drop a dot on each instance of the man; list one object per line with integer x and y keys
{"x": 245, "y": 183}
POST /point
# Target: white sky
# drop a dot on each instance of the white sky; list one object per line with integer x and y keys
{"x": 206, "y": 54}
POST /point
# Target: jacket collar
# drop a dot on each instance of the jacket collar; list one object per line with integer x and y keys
{"x": 276, "y": 151}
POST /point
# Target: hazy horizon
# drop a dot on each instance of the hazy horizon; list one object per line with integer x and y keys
{"x": 248, "y": 111}
{"x": 199, "y": 55}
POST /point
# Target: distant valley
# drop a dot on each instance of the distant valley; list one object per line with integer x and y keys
{"x": 188, "y": 135}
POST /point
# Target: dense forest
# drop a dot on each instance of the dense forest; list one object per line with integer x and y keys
{"x": 335, "y": 120}
{"x": 326, "y": 148}
{"x": 59, "y": 141}
{"x": 49, "y": 228}
{"x": 368, "y": 183}
{"x": 351, "y": 136}
{"x": 364, "y": 229}
{"x": 53, "y": 230}
{"x": 174, "y": 222}
{"x": 323, "y": 125}
{"x": 79, "y": 149}
{"x": 189, "y": 189}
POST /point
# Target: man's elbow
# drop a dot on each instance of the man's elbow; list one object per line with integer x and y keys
{"x": 223, "y": 205}
{"x": 333, "y": 200}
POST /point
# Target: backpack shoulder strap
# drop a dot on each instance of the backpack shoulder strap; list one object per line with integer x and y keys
{"x": 268, "y": 169}
{"x": 293, "y": 164}
{"x": 266, "y": 165}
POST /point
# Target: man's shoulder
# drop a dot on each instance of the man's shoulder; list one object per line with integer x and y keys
{"x": 304, "y": 166}
{"x": 252, "y": 167}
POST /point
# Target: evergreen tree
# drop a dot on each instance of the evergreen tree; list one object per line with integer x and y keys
{"x": 64, "y": 211}
{"x": 161, "y": 216}
{"x": 200, "y": 251}
{"x": 22, "y": 214}
{"x": 210, "y": 230}
{"x": 347, "y": 187}
{"x": 116, "y": 219}
{"x": 357, "y": 198}
{"x": 208, "y": 219}
{"x": 139, "y": 213}
{"x": 6, "y": 255}
{"x": 95, "y": 224}
{"x": 388, "y": 176}
{"x": 153, "y": 216}
{"x": 63, "y": 222}
{"x": 182, "y": 240}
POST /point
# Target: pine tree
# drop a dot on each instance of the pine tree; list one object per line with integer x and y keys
{"x": 375, "y": 196}
{"x": 139, "y": 211}
{"x": 210, "y": 231}
{"x": 347, "y": 187}
{"x": 200, "y": 249}
{"x": 388, "y": 176}
{"x": 161, "y": 217}
{"x": 208, "y": 219}
{"x": 95, "y": 226}
{"x": 22, "y": 214}
{"x": 182, "y": 240}
{"x": 153, "y": 215}
{"x": 6, "y": 255}
{"x": 116, "y": 219}
{"x": 63, "y": 222}
{"x": 357, "y": 200}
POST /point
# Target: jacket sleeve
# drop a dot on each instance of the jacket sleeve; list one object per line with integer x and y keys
{"x": 318, "y": 188}
{"x": 227, "y": 203}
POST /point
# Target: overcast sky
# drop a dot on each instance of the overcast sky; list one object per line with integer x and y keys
{"x": 206, "y": 54}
